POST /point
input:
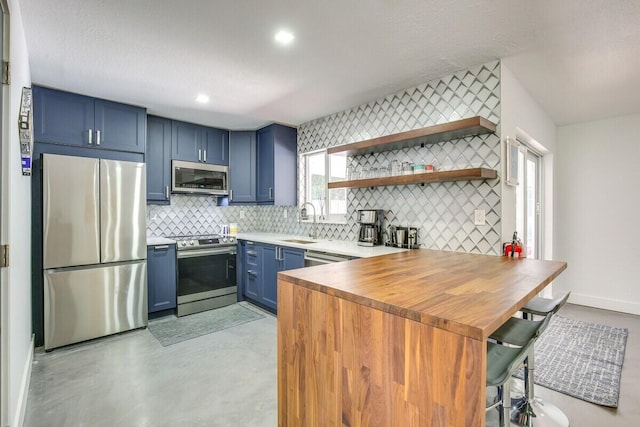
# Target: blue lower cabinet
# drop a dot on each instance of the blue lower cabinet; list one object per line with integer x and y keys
{"x": 270, "y": 264}
{"x": 260, "y": 264}
{"x": 250, "y": 270}
{"x": 161, "y": 277}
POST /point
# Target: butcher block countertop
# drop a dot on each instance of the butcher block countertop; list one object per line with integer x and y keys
{"x": 468, "y": 294}
{"x": 398, "y": 339}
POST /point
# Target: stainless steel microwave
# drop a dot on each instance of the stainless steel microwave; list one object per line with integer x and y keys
{"x": 199, "y": 178}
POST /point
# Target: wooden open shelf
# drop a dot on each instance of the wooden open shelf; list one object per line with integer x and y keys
{"x": 419, "y": 178}
{"x": 428, "y": 135}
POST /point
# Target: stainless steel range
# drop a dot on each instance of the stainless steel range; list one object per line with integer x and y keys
{"x": 206, "y": 272}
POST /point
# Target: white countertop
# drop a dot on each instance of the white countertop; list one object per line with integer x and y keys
{"x": 152, "y": 241}
{"x": 341, "y": 247}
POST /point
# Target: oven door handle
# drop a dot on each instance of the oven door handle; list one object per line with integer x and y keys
{"x": 204, "y": 252}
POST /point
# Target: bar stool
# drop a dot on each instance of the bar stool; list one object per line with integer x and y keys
{"x": 529, "y": 410}
{"x": 543, "y": 306}
{"x": 503, "y": 361}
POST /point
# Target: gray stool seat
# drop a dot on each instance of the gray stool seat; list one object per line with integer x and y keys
{"x": 502, "y": 362}
{"x": 519, "y": 332}
{"x": 541, "y": 306}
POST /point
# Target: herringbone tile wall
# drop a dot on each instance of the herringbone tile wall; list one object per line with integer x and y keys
{"x": 443, "y": 212}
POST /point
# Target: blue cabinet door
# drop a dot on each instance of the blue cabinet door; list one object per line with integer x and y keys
{"x": 264, "y": 148}
{"x": 252, "y": 274}
{"x": 242, "y": 167}
{"x": 277, "y": 165}
{"x": 161, "y": 277}
{"x": 292, "y": 258}
{"x": 285, "y": 156}
{"x": 186, "y": 141}
{"x": 216, "y": 146}
{"x": 121, "y": 127}
{"x": 62, "y": 117}
{"x": 270, "y": 266}
{"x": 158, "y": 160}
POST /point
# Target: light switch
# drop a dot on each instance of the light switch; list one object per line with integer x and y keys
{"x": 478, "y": 217}
{"x": 241, "y": 214}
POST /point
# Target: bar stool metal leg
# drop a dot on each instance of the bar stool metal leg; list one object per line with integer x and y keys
{"x": 531, "y": 411}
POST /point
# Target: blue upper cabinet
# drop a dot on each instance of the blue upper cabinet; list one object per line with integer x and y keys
{"x": 195, "y": 143}
{"x": 276, "y": 165}
{"x": 242, "y": 167}
{"x": 158, "y": 160}
{"x": 71, "y": 119}
{"x": 186, "y": 142}
{"x": 121, "y": 126}
{"x": 216, "y": 146}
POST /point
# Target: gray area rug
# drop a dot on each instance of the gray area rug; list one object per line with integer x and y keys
{"x": 177, "y": 329}
{"x": 581, "y": 359}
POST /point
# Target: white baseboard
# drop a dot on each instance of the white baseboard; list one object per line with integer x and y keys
{"x": 629, "y": 307}
{"x": 24, "y": 388}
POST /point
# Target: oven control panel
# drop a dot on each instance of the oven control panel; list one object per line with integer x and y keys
{"x": 188, "y": 242}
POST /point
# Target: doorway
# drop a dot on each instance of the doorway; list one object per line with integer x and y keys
{"x": 4, "y": 50}
{"x": 529, "y": 200}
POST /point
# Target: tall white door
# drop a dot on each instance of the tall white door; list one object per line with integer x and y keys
{"x": 528, "y": 197}
{"x": 3, "y": 357}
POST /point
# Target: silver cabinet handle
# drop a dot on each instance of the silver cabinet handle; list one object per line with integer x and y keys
{"x": 166, "y": 192}
{"x": 252, "y": 273}
{"x": 204, "y": 159}
{"x": 90, "y": 136}
{"x": 97, "y": 137}
{"x": 251, "y": 252}
{"x": 230, "y": 194}
{"x": 161, "y": 247}
{"x": 270, "y": 193}
{"x": 199, "y": 154}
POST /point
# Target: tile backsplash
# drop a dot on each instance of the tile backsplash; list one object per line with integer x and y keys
{"x": 443, "y": 212}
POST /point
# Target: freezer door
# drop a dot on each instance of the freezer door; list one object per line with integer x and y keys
{"x": 86, "y": 303}
{"x": 70, "y": 211}
{"x": 123, "y": 230}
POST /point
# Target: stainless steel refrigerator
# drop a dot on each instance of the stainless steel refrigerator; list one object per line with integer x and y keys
{"x": 94, "y": 248}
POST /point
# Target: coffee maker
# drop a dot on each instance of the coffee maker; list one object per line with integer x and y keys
{"x": 370, "y": 227}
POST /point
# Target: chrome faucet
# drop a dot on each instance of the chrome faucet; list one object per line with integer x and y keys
{"x": 315, "y": 224}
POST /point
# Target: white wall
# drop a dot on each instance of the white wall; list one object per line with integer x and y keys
{"x": 17, "y": 344}
{"x": 523, "y": 118}
{"x": 597, "y": 212}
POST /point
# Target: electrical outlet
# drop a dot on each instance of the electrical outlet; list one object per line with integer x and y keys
{"x": 285, "y": 214}
{"x": 241, "y": 214}
{"x": 478, "y": 217}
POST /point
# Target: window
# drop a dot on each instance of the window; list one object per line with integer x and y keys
{"x": 320, "y": 169}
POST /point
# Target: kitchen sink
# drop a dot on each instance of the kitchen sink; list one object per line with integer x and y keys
{"x": 298, "y": 241}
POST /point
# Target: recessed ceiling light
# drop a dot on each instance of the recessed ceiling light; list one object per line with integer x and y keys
{"x": 202, "y": 98}
{"x": 284, "y": 37}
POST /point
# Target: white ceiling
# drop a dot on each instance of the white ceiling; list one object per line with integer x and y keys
{"x": 580, "y": 59}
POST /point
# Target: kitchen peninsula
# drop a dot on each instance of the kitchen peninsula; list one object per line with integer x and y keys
{"x": 398, "y": 339}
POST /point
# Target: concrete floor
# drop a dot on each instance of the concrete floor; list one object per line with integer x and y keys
{"x": 228, "y": 378}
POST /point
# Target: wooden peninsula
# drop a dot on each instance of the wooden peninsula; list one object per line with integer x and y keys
{"x": 396, "y": 340}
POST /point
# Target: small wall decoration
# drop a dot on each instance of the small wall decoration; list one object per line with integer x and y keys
{"x": 25, "y": 130}
{"x": 513, "y": 147}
